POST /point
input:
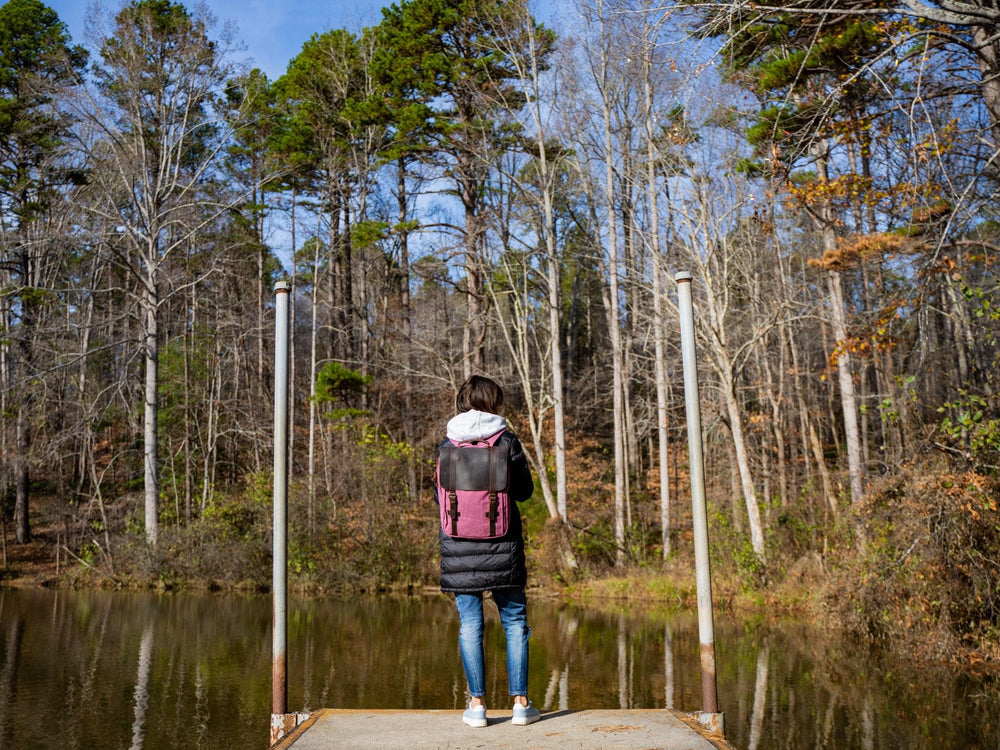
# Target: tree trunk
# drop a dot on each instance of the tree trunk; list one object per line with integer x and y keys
{"x": 531, "y": 82}
{"x": 475, "y": 359}
{"x": 313, "y": 342}
{"x": 347, "y": 316}
{"x": 988, "y": 60}
{"x": 151, "y": 402}
{"x": 409, "y": 428}
{"x": 86, "y": 443}
{"x": 841, "y": 357}
{"x": 212, "y": 452}
{"x": 659, "y": 327}
{"x": 188, "y": 335}
{"x": 26, "y": 347}
{"x": 777, "y": 400}
{"x": 335, "y": 289}
{"x": 628, "y": 346}
{"x": 5, "y": 389}
{"x": 260, "y": 388}
{"x": 845, "y": 380}
{"x": 743, "y": 464}
{"x": 22, "y": 445}
{"x": 611, "y": 296}
{"x": 291, "y": 344}
{"x": 556, "y": 366}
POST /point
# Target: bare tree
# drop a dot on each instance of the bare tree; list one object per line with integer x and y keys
{"x": 154, "y": 129}
{"x": 526, "y": 45}
{"x": 718, "y": 255}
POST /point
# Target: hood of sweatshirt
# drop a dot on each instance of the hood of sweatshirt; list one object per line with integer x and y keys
{"x": 474, "y": 425}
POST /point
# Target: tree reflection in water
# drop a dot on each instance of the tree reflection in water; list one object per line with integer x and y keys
{"x": 142, "y": 687}
{"x": 164, "y": 671}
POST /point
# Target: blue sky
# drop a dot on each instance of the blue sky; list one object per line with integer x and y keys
{"x": 272, "y": 30}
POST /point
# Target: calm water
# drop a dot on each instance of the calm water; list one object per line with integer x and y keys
{"x": 112, "y": 670}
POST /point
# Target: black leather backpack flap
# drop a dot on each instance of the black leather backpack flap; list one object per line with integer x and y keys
{"x": 469, "y": 468}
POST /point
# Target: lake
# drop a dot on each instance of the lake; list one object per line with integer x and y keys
{"x": 120, "y": 670}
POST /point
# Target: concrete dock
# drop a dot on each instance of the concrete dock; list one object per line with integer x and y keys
{"x": 566, "y": 730}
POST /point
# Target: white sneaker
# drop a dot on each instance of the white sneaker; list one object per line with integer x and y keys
{"x": 525, "y": 714}
{"x": 475, "y": 716}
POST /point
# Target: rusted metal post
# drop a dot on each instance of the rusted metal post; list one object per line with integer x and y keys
{"x": 279, "y": 578}
{"x": 710, "y": 716}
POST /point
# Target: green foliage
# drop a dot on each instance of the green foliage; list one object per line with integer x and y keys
{"x": 335, "y": 381}
{"x": 151, "y": 26}
{"x": 35, "y": 296}
{"x": 380, "y": 448}
{"x": 733, "y": 553}
{"x": 367, "y": 233}
{"x": 808, "y": 69}
{"x": 233, "y": 518}
{"x": 788, "y": 49}
{"x": 780, "y": 123}
{"x": 322, "y": 97}
{"x": 445, "y": 77}
{"x": 595, "y": 544}
{"x": 972, "y": 422}
{"x": 35, "y": 58}
{"x": 135, "y": 522}
{"x": 749, "y": 167}
{"x": 89, "y": 553}
{"x": 345, "y": 415}
{"x": 845, "y": 47}
{"x": 985, "y": 307}
{"x": 244, "y": 515}
{"x": 252, "y": 99}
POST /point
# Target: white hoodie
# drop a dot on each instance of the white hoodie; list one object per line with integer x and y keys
{"x": 474, "y": 425}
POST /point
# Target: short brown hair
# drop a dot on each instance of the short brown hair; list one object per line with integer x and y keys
{"x": 480, "y": 393}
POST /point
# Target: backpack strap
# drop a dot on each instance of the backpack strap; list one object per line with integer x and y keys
{"x": 493, "y": 511}
{"x": 453, "y": 499}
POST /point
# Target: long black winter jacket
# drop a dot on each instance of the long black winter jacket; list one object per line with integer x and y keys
{"x": 474, "y": 565}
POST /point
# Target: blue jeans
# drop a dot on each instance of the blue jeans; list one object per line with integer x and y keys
{"x": 513, "y": 610}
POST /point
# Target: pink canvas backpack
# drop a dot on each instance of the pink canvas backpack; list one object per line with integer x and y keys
{"x": 472, "y": 488}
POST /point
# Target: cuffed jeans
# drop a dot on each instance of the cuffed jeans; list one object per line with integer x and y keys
{"x": 513, "y": 610}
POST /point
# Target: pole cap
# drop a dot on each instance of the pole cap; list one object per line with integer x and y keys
{"x": 682, "y": 276}
{"x": 281, "y": 286}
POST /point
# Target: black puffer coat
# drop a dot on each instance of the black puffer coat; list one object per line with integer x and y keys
{"x": 473, "y": 565}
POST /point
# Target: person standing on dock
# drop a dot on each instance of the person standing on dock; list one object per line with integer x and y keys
{"x": 484, "y": 551}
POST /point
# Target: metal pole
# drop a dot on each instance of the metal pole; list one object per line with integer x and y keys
{"x": 279, "y": 580}
{"x": 710, "y": 716}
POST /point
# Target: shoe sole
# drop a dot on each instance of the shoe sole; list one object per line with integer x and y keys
{"x": 475, "y": 722}
{"x": 524, "y": 721}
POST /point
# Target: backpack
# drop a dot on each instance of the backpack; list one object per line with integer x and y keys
{"x": 472, "y": 488}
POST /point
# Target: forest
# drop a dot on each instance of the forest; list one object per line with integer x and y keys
{"x": 464, "y": 189}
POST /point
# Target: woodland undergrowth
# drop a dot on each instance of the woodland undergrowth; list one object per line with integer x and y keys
{"x": 915, "y": 566}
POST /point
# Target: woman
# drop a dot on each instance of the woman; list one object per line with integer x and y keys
{"x": 471, "y": 566}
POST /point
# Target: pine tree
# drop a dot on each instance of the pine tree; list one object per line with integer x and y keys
{"x": 444, "y": 56}
{"x": 36, "y": 59}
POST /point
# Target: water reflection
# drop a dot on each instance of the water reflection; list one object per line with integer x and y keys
{"x": 142, "y": 687}
{"x": 8, "y": 677}
{"x": 668, "y": 666}
{"x": 759, "y": 697}
{"x": 86, "y": 670}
